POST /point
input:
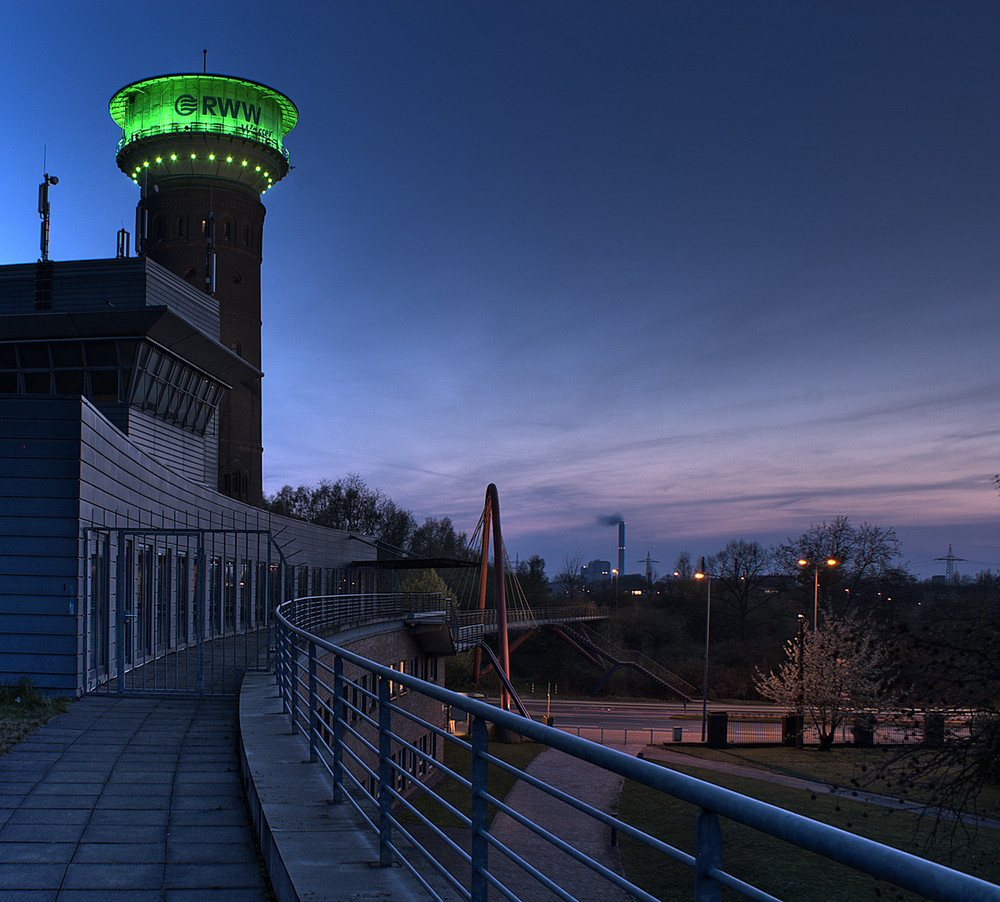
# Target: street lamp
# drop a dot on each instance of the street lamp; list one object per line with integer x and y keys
{"x": 802, "y": 682}
{"x": 614, "y": 576}
{"x": 708, "y": 622}
{"x": 830, "y": 562}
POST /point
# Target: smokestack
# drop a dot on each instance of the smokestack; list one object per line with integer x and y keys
{"x": 621, "y": 547}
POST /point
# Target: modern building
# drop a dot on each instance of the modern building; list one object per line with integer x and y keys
{"x": 131, "y": 526}
{"x": 596, "y": 570}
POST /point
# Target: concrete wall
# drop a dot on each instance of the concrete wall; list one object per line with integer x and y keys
{"x": 392, "y": 645}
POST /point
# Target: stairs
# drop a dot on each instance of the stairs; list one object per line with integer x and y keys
{"x": 620, "y": 657}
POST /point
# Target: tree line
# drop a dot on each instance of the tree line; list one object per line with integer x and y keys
{"x": 351, "y": 505}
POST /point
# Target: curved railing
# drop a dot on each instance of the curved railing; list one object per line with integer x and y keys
{"x": 247, "y": 132}
{"x": 361, "y": 721}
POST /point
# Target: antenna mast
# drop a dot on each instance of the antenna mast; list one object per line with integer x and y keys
{"x": 43, "y": 211}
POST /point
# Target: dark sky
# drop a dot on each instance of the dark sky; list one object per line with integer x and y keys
{"x": 720, "y": 269}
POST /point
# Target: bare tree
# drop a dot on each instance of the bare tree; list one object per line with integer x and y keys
{"x": 865, "y": 555}
{"x": 951, "y": 665}
{"x": 438, "y": 538}
{"x": 739, "y": 572}
{"x": 347, "y": 504}
{"x": 683, "y": 568}
{"x": 571, "y": 576}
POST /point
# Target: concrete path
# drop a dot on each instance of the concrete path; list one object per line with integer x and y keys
{"x": 128, "y": 799}
{"x": 587, "y": 782}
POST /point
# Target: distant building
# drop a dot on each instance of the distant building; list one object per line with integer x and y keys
{"x": 595, "y": 570}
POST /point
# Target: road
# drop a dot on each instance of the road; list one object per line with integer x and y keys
{"x": 658, "y": 720}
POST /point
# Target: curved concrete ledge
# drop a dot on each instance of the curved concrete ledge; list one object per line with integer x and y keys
{"x": 313, "y": 850}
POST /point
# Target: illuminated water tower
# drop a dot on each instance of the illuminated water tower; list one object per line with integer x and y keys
{"x": 202, "y": 149}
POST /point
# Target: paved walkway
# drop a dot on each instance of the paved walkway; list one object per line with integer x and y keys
{"x": 141, "y": 799}
{"x": 587, "y": 782}
{"x": 128, "y": 799}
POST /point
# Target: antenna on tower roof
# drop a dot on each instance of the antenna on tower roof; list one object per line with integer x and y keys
{"x": 43, "y": 207}
{"x": 204, "y": 62}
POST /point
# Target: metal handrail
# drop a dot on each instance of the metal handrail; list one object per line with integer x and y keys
{"x": 245, "y": 132}
{"x": 314, "y": 689}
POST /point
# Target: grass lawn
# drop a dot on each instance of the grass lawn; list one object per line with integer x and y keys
{"x": 23, "y": 709}
{"x": 840, "y": 766}
{"x": 458, "y": 759}
{"x": 775, "y": 866}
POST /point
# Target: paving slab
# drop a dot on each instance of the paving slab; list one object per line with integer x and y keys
{"x": 128, "y": 799}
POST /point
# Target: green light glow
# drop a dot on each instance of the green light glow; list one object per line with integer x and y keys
{"x": 217, "y": 104}
{"x": 200, "y": 114}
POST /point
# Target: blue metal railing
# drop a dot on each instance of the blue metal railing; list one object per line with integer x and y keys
{"x": 368, "y": 725}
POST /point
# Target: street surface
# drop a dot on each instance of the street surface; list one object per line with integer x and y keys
{"x": 630, "y": 721}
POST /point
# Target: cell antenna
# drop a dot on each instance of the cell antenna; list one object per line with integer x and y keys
{"x": 43, "y": 211}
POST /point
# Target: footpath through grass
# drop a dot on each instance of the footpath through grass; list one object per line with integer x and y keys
{"x": 778, "y": 867}
{"x": 459, "y": 759}
{"x": 23, "y": 709}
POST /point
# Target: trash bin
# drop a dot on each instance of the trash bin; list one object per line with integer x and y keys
{"x": 791, "y": 728}
{"x": 678, "y": 734}
{"x": 864, "y": 730}
{"x": 718, "y": 730}
{"x": 934, "y": 730}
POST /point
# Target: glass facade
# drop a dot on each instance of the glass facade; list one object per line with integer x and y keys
{"x": 113, "y": 371}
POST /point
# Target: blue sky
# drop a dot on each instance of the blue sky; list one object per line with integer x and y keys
{"x": 720, "y": 269}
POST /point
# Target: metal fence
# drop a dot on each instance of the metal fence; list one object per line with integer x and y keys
{"x": 769, "y": 729}
{"x": 361, "y": 725}
{"x": 178, "y": 611}
{"x": 887, "y": 728}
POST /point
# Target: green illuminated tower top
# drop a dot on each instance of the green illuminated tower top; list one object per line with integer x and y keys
{"x": 192, "y": 127}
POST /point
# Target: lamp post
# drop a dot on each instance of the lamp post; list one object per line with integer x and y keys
{"x": 802, "y": 682}
{"x": 703, "y": 574}
{"x": 830, "y": 562}
{"x": 614, "y": 575}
